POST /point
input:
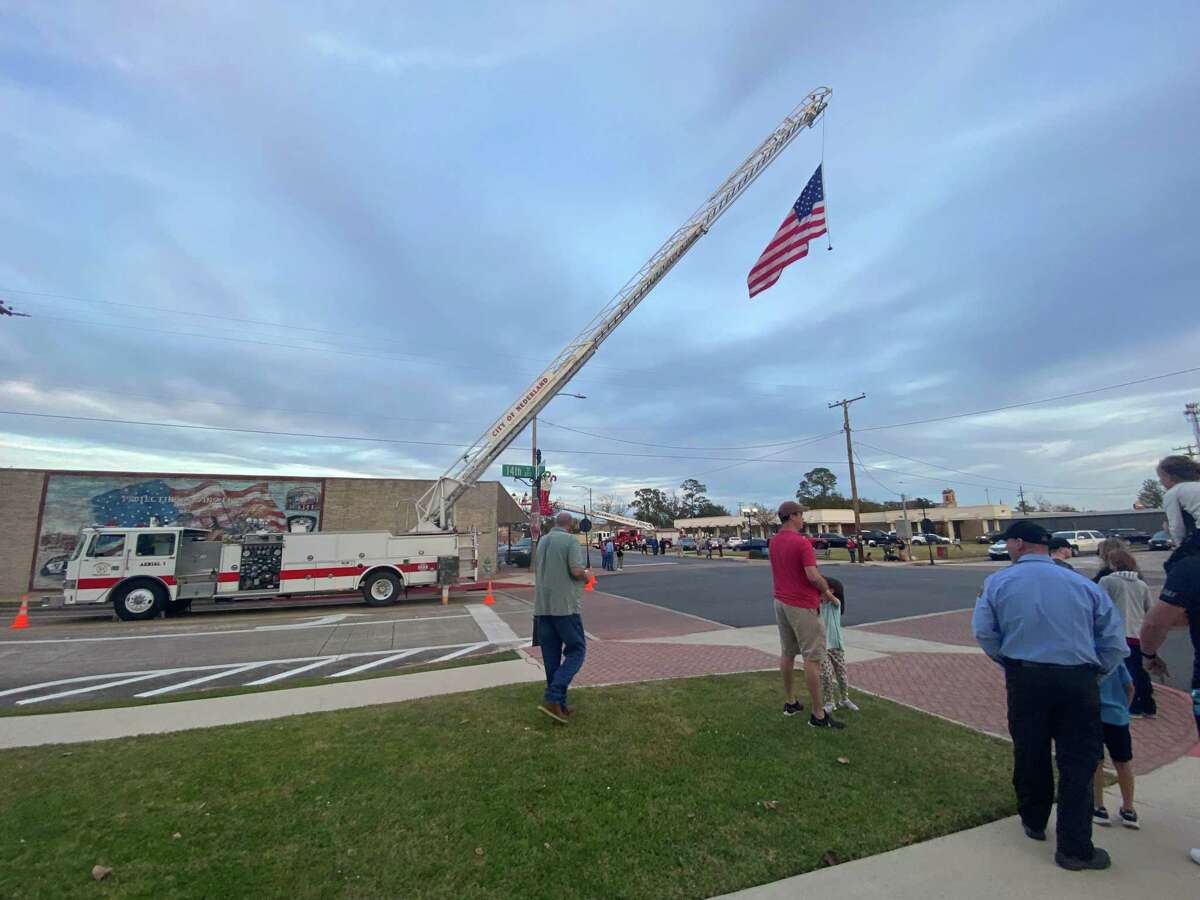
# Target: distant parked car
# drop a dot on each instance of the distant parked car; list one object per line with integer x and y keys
{"x": 930, "y": 538}
{"x": 827, "y": 539}
{"x": 990, "y": 537}
{"x": 735, "y": 543}
{"x": 687, "y": 543}
{"x": 1081, "y": 541}
{"x": 877, "y": 538}
{"x": 754, "y": 544}
{"x": 1130, "y": 535}
{"x": 998, "y": 550}
{"x": 521, "y": 554}
{"x": 1161, "y": 541}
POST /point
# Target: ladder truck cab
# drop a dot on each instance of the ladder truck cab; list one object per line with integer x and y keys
{"x": 144, "y": 572}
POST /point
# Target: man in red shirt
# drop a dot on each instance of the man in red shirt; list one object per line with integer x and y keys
{"x": 799, "y": 590}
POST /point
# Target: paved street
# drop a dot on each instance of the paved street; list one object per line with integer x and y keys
{"x": 70, "y": 656}
{"x": 738, "y": 593}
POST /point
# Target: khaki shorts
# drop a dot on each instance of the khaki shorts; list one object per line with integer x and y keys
{"x": 801, "y": 631}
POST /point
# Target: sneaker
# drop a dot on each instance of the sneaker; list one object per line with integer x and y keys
{"x": 1034, "y": 834}
{"x": 1129, "y": 818}
{"x": 791, "y": 709}
{"x": 1195, "y": 855}
{"x": 828, "y": 707}
{"x": 1100, "y": 816}
{"x": 848, "y": 704}
{"x": 1100, "y": 860}
{"x": 827, "y": 721}
{"x": 554, "y": 711}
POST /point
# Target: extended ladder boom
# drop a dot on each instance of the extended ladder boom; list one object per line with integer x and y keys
{"x": 435, "y": 507}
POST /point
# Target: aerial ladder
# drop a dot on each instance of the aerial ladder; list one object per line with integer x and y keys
{"x": 435, "y": 508}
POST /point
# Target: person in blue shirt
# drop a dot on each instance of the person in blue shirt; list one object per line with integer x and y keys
{"x": 1116, "y": 693}
{"x": 1057, "y": 636}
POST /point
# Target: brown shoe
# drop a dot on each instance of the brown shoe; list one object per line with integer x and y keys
{"x": 568, "y": 711}
{"x": 554, "y": 711}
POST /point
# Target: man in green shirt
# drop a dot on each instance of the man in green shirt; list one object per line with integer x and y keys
{"x": 560, "y": 574}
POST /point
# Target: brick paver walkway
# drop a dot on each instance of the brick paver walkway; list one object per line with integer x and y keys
{"x": 946, "y": 628}
{"x": 969, "y": 688}
{"x": 617, "y": 662}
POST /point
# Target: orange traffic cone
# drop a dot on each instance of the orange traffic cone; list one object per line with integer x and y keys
{"x": 489, "y": 600}
{"x": 22, "y": 619}
{"x": 591, "y": 585}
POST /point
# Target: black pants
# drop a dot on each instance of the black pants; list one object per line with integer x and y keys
{"x": 1143, "y": 688}
{"x": 1062, "y": 705}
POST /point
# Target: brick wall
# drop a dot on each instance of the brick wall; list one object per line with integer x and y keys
{"x": 351, "y": 504}
{"x": 387, "y": 504}
{"x": 20, "y": 499}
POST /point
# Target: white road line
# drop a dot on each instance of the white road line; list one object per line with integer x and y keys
{"x": 911, "y": 618}
{"x": 201, "y": 680}
{"x": 189, "y": 634}
{"x": 461, "y": 652}
{"x": 494, "y": 628}
{"x": 96, "y": 687}
{"x": 270, "y": 679}
{"x": 82, "y": 678}
{"x": 375, "y": 662}
{"x": 149, "y": 673}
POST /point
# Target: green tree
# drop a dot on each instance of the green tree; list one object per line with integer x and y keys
{"x": 1151, "y": 494}
{"x": 819, "y": 484}
{"x": 693, "y": 498}
{"x": 654, "y": 506}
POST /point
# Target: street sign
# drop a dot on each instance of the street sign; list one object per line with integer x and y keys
{"x": 585, "y": 525}
{"x": 508, "y": 471}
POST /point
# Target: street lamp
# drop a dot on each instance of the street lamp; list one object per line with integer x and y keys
{"x": 749, "y": 514}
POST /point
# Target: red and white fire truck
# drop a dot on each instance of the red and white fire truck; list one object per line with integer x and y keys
{"x": 144, "y": 571}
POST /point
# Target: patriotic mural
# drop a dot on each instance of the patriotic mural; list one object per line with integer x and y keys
{"x": 227, "y": 507}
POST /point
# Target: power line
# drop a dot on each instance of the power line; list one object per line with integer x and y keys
{"x": 982, "y": 412}
{"x": 1007, "y": 482}
{"x": 376, "y": 440}
{"x": 604, "y": 437}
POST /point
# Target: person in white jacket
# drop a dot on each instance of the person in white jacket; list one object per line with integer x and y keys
{"x": 1181, "y": 477}
{"x": 1132, "y": 599}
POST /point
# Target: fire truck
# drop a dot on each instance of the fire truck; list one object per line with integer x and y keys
{"x": 148, "y": 570}
{"x": 144, "y": 572}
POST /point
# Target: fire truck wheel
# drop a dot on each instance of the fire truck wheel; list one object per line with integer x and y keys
{"x": 382, "y": 589}
{"x": 139, "y": 600}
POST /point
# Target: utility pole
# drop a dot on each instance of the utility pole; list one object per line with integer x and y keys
{"x": 535, "y": 500}
{"x": 1192, "y": 412}
{"x": 1022, "y": 506}
{"x": 845, "y": 405}
{"x": 1189, "y": 449}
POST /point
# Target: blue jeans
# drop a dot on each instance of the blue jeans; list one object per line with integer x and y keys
{"x": 564, "y": 646}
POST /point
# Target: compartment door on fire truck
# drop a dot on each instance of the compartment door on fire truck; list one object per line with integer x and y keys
{"x": 104, "y": 561}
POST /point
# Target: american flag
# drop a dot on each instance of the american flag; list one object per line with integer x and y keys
{"x": 805, "y": 221}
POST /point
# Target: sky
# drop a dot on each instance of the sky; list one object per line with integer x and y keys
{"x": 370, "y": 227}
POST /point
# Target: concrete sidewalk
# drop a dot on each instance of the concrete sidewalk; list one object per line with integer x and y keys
{"x": 997, "y": 860}
{"x": 107, "y": 724}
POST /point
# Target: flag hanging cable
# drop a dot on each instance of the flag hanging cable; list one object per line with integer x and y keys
{"x": 805, "y": 221}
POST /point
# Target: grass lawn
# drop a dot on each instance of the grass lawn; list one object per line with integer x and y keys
{"x": 684, "y": 788}
{"x": 232, "y": 691}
